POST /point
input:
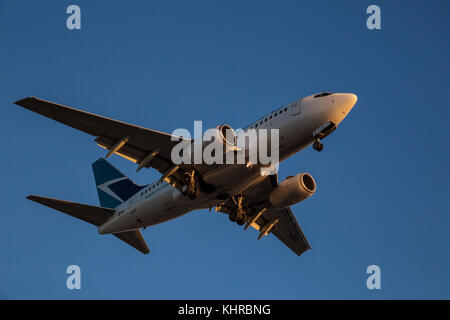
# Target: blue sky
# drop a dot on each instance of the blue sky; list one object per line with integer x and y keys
{"x": 383, "y": 178}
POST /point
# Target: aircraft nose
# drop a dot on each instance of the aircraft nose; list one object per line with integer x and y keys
{"x": 349, "y": 100}
{"x": 346, "y": 101}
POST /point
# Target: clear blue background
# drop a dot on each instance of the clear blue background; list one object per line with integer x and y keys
{"x": 383, "y": 178}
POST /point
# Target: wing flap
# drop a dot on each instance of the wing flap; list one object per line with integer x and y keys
{"x": 135, "y": 155}
{"x": 287, "y": 230}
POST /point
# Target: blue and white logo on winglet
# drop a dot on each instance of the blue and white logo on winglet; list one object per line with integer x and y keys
{"x": 113, "y": 186}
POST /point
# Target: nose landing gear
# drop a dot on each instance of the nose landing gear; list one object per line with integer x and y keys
{"x": 317, "y": 145}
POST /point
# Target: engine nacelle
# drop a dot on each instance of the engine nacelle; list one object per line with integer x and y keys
{"x": 222, "y": 134}
{"x": 293, "y": 190}
{"x": 227, "y": 134}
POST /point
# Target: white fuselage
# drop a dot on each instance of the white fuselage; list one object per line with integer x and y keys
{"x": 298, "y": 124}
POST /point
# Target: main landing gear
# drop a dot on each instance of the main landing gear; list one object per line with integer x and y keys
{"x": 191, "y": 188}
{"x": 238, "y": 214}
{"x": 244, "y": 215}
{"x": 317, "y": 145}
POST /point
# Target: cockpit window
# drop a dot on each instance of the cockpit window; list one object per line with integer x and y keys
{"x": 323, "y": 94}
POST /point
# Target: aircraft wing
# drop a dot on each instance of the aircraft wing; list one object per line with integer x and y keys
{"x": 148, "y": 148}
{"x": 286, "y": 230}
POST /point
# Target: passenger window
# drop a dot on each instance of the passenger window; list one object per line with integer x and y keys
{"x": 323, "y": 94}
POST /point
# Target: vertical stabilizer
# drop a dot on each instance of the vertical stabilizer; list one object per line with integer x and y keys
{"x": 113, "y": 187}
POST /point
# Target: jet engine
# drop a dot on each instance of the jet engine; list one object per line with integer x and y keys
{"x": 292, "y": 190}
{"x": 227, "y": 134}
{"x": 223, "y": 134}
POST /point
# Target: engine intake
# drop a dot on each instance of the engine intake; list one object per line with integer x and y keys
{"x": 225, "y": 132}
{"x": 293, "y": 190}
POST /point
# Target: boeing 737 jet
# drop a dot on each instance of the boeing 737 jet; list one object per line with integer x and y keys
{"x": 243, "y": 191}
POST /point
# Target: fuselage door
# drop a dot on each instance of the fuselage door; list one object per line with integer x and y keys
{"x": 295, "y": 107}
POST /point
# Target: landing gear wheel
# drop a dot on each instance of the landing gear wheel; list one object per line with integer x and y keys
{"x": 318, "y": 145}
{"x": 241, "y": 220}
{"x": 193, "y": 195}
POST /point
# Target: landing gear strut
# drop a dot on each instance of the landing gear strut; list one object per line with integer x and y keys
{"x": 238, "y": 214}
{"x": 240, "y": 220}
{"x": 318, "y": 145}
{"x": 192, "y": 187}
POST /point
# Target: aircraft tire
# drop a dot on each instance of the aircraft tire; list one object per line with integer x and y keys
{"x": 318, "y": 146}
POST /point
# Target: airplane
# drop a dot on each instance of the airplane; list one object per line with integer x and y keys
{"x": 249, "y": 197}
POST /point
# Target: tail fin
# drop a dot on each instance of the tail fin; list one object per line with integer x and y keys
{"x": 93, "y": 215}
{"x": 113, "y": 186}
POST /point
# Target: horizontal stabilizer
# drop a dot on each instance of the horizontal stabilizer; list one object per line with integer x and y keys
{"x": 134, "y": 239}
{"x": 93, "y": 215}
